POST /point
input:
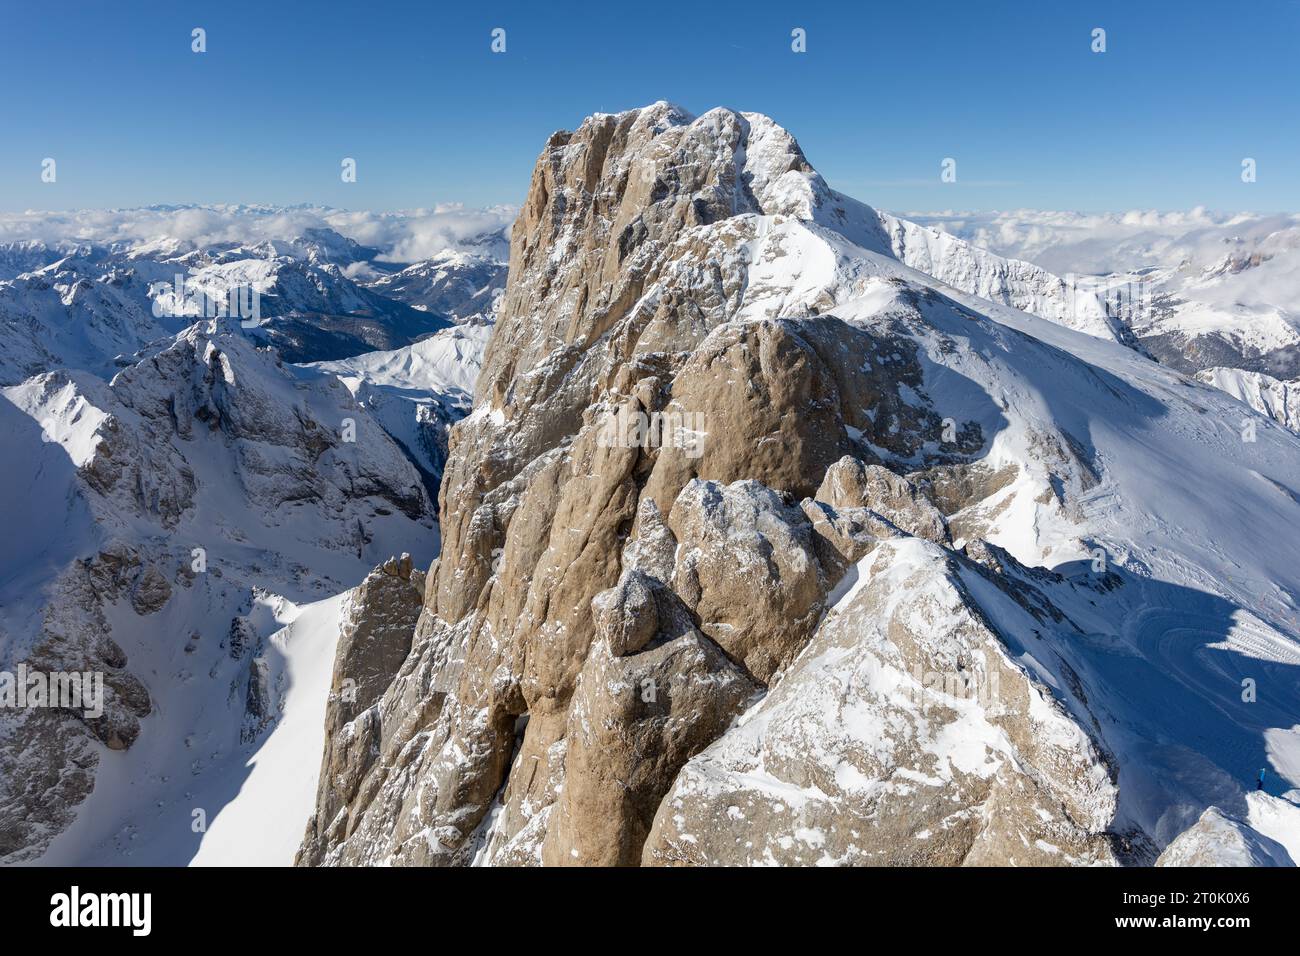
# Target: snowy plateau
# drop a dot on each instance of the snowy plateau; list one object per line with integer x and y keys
{"x": 983, "y": 549}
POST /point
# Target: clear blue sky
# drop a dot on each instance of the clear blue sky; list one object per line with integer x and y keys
{"x": 1009, "y": 88}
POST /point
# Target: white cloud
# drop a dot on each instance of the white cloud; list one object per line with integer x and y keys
{"x": 404, "y": 236}
{"x": 412, "y": 235}
{"x": 1108, "y": 242}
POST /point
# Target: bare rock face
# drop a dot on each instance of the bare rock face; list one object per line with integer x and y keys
{"x": 378, "y": 623}
{"x": 627, "y": 615}
{"x": 778, "y": 400}
{"x": 259, "y": 707}
{"x": 851, "y": 484}
{"x": 537, "y": 505}
{"x": 858, "y": 504}
{"x": 748, "y": 571}
{"x": 636, "y": 718}
{"x": 674, "y": 459}
{"x": 151, "y": 592}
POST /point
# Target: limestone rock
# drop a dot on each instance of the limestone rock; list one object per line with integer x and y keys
{"x": 627, "y": 615}
{"x": 379, "y": 620}
{"x": 635, "y": 720}
{"x": 151, "y": 592}
{"x": 770, "y": 408}
{"x": 258, "y": 703}
{"x": 853, "y": 757}
{"x": 681, "y": 445}
{"x": 850, "y": 483}
{"x": 748, "y": 571}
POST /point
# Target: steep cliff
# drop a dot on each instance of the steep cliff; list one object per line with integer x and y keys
{"x": 744, "y": 543}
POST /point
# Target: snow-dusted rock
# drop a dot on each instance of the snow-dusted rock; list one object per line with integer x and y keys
{"x": 75, "y": 314}
{"x": 904, "y": 734}
{"x": 1219, "y": 840}
{"x": 1049, "y": 507}
{"x": 748, "y": 571}
{"x": 310, "y": 312}
{"x": 202, "y": 485}
{"x": 849, "y": 485}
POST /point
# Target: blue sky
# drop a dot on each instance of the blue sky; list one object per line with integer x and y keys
{"x": 885, "y": 92}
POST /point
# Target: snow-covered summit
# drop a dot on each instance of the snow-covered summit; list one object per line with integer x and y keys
{"x": 934, "y": 580}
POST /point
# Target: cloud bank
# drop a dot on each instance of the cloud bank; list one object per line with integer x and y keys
{"x": 403, "y": 236}
{"x": 1110, "y": 242}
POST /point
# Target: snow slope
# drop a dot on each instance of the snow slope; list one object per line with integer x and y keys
{"x": 262, "y": 825}
{"x": 1198, "y": 290}
{"x": 209, "y": 444}
{"x": 416, "y": 393}
{"x": 255, "y": 797}
{"x": 446, "y": 362}
{"x": 1111, "y": 451}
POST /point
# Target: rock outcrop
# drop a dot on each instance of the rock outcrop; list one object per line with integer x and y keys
{"x": 866, "y": 753}
{"x": 679, "y": 458}
{"x": 378, "y": 623}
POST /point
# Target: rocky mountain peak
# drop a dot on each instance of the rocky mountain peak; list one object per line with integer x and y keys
{"x": 607, "y": 201}
{"x": 713, "y": 400}
{"x": 776, "y": 529}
